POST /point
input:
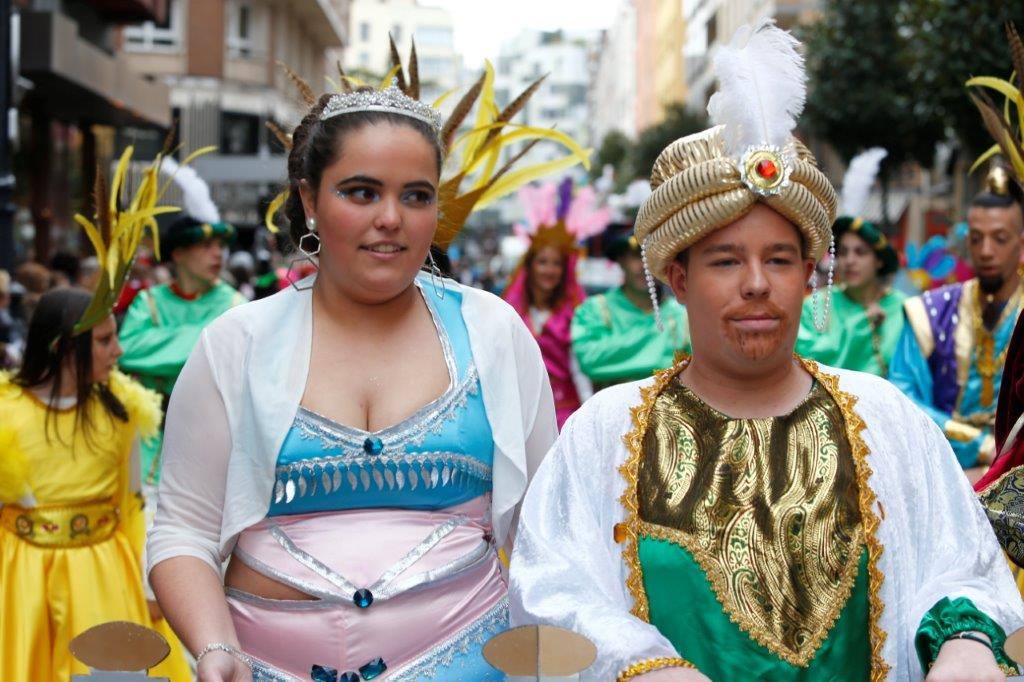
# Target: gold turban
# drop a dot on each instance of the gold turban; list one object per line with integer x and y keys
{"x": 699, "y": 188}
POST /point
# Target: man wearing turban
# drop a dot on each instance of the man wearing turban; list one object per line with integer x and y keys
{"x": 748, "y": 514}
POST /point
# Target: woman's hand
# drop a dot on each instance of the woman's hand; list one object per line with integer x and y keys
{"x": 220, "y": 666}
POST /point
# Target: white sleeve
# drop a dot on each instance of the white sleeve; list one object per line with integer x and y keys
{"x": 538, "y": 402}
{"x": 957, "y": 551}
{"x": 584, "y": 386}
{"x": 196, "y": 450}
{"x": 567, "y": 569}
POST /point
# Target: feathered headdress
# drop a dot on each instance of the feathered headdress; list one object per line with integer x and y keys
{"x": 558, "y": 216}
{"x": 118, "y": 228}
{"x": 194, "y": 191}
{"x": 709, "y": 180}
{"x": 1006, "y": 123}
{"x": 858, "y": 181}
{"x": 475, "y": 176}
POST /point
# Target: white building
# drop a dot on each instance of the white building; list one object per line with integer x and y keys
{"x": 612, "y": 97}
{"x": 561, "y": 102}
{"x": 367, "y": 51}
{"x": 219, "y": 58}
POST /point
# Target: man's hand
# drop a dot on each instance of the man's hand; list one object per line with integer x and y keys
{"x": 961, "y": 660}
{"x": 673, "y": 675}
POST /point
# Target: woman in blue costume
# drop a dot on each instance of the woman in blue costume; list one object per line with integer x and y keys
{"x": 355, "y": 447}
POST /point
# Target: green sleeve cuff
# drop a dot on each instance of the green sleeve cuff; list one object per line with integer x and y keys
{"x": 948, "y": 618}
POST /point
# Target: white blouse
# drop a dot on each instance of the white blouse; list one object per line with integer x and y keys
{"x": 238, "y": 393}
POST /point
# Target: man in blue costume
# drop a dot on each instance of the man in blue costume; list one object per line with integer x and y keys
{"x": 950, "y": 357}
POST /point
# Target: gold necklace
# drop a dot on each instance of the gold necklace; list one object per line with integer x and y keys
{"x": 984, "y": 350}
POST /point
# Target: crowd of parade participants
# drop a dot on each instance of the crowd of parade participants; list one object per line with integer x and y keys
{"x": 777, "y": 450}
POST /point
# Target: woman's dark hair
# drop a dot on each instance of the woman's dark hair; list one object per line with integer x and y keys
{"x": 50, "y": 344}
{"x": 558, "y": 295}
{"x": 317, "y": 144}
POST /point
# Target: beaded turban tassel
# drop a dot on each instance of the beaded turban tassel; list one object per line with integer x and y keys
{"x": 707, "y": 181}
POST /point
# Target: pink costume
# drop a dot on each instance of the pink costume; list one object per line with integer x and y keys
{"x": 556, "y": 218}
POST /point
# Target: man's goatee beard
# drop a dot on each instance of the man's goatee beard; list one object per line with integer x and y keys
{"x": 991, "y": 285}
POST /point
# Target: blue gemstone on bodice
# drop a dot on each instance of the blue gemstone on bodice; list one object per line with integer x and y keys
{"x": 349, "y": 677}
{"x": 373, "y": 446}
{"x": 363, "y": 598}
{"x": 321, "y": 673}
{"x": 373, "y": 669}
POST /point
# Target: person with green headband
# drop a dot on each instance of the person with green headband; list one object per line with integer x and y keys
{"x": 163, "y": 323}
{"x": 615, "y": 336}
{"x": 866, "y": 318}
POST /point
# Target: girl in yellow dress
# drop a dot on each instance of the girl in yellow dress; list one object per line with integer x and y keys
{"x": 71, "y": 518}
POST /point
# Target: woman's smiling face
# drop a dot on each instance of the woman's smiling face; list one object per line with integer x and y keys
{"x": 376, "y": 210}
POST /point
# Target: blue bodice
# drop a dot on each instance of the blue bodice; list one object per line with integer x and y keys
{"x": 439, "y": 457}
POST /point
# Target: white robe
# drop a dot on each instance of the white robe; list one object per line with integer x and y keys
{"x": 236, "y": 398}
{"x": 567, "y": 569}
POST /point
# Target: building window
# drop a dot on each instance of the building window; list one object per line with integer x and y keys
{"x": 152, "y": 37}
{"x": 364, "y": 31}
{"x": 364, "y": 60}
{"x": 240, "y": 31}
{"x": 435, "y": 68}
{"x": 396, "y": 33}
{"x": 434, "y": 36}
{"x": 239, "y": 133}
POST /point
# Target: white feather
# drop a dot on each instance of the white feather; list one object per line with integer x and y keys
{"x": 195, "y": 192}
{"x": 858, "y": 181}
{"x": 762, "y": 87}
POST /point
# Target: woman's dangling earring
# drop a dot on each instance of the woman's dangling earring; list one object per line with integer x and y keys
{"x": 309, "y": 246}
{"x": 436, "y": 277}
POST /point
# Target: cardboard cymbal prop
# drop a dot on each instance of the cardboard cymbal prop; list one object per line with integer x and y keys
{"x": 1014, "y": 646}
{"x": 540, "y": 650}
{"x": 120, "y": 645}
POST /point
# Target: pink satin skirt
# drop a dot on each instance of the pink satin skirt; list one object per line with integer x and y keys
{"x": 419, "y": 591}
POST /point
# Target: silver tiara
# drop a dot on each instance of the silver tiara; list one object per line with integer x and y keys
{"x": 391, "y": 100}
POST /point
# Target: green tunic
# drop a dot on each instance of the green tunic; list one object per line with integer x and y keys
{"x": 753, "y": 555}
{"x": 158, "y": 334}
{"x": 850, "y": 341}
{"x": 615, "y": 341}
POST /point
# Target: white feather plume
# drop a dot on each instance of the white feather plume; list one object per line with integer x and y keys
{"x": 762, "y": 87}
{"x": 858, "y": 181}
{"x": 195, "y": 192}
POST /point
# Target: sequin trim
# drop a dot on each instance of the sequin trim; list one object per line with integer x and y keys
{"x": 285, "y": 579}
{"x": 444, "y": 653}
{"x": 381, "y": 588}
{"x": 280, "y": 604}
{"x": 328, "y": 475}
{"x": 869, "y": 519}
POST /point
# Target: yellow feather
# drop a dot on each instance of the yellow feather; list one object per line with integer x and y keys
{"x": 143, "y": 405}
{"x": 485, "y": 114}
{"x": 517, "y": 179}
{"x": 443, "y": 98}
{"x": 94, "y": 236}
{"x": 13, "y": 467}
{"x": 273, "y": 208}
{"x": 989, "y": 153}
{"x": 1001, "y": 86}
{"x": 119, "y": 173}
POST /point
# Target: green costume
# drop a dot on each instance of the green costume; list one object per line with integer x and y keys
{"x": 615, "y": 341}
{"x": 722, "y": 545}
{"x": 850, "y": 341}
{"x": 158, "y": 334}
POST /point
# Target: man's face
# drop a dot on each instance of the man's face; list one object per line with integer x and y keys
{"x": 203, "y": 261}
{"x": 743, "y": 287}
{"x": 994, "y": 242}
{"x": 633, "y": 271}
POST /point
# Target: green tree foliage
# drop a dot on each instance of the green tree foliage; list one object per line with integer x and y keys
{"x": 614, "y": 151}
{"x": 950, "y": 41}
{"x": 861, "y": 93}
{"x": 678, "y": 122}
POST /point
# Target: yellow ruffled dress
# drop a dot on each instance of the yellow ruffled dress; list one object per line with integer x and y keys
{"x": 71, "y": 561}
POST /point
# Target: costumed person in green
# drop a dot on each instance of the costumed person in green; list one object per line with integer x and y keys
{"x": 950, "y": 357}
{"x": 615, "y": 335}
{"x": 746, "y": 514}
{"x": 163, "y": 323}
{"x": 866, "y": 316}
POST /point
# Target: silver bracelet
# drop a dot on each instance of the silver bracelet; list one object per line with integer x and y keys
{"x": 226, "y": 648}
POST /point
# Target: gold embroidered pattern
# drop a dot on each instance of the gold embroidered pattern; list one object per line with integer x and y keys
{"x": 767, "y": 507}
{"x": 634, "y": 441}
{"x": 650, "y": 665}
